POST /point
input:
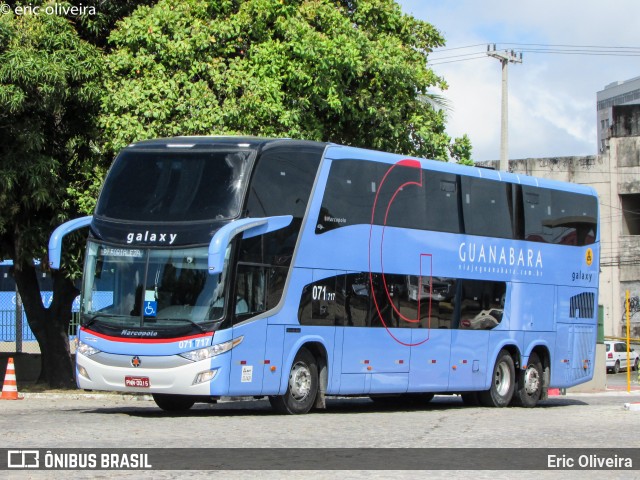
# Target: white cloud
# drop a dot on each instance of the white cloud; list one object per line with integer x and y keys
{"x": 552, "y": 101}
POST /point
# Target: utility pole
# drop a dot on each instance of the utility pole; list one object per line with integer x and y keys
{"x": 505, "y": 58}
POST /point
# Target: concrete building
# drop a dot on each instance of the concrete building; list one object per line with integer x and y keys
{"x": 617, "y": 93}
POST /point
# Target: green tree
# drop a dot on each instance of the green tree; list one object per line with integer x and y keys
{"x": 348, "y": 71}
{"x": 49, "y": 97}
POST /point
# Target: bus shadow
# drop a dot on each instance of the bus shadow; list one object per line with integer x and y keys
{"x": 345, "y": 406}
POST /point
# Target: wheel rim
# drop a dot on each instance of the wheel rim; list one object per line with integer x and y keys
{"x": 502, "y": 379}
{"x": 531, "y": 380}
{"x": 300, "y": 381}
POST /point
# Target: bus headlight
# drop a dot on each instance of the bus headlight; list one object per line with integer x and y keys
{"x": 212, "y": 351}
{"x": 86, "y": 350}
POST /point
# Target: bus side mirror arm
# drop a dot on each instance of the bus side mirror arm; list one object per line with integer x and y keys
{"x": 55, "y": 241}
{"x": 249, "y": 227}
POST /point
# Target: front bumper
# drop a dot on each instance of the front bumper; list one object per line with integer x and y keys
{"x": 166, "y": 374}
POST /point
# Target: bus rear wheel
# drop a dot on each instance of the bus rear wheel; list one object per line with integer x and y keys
{"x": 529, "y": 388}
{"x": 173, "y": 403}
{"x": 302, "y": 387}
{"x": 502, "y": 382}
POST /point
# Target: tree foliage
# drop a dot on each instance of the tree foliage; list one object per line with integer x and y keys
{"x": 351, "y": 72}
{"x": 49, "y": 96}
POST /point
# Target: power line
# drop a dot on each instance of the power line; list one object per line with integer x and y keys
{"x": 554, "y": 49}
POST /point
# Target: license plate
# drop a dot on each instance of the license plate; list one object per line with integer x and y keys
{"x": 136, "y": 382}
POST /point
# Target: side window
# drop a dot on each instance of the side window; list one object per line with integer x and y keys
{"x": 574, "y": 218}
{"x": 443, "y": 294}
{"x": 350, "y": 194}
{"x": 258, "y": 288}
{"x": 353, "y": 185}
{"x": 537, "y": 209}
{"x": 554, "y": 216}
{"x": 357, "y": 300}
{"x": 318, "y": 305}
{"x": 281, "y": 185}
{"x": 250, "y": 291}
{"x": 402, "y": 198}
{"x": 481, "y": 304}
{"x": 486, "y": 206}
{"x": 442, "y": 212}
{"x": 385, "y": 309}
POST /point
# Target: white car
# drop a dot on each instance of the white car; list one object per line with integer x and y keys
{"x": 616, "y": 355}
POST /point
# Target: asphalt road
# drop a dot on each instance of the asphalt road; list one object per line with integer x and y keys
{"x": 114, "y": 421}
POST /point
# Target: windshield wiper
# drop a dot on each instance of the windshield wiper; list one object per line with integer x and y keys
{"x": 186, "y": 320}
{"x": 95, "y": 317}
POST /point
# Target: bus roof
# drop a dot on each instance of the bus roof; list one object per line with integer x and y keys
{"x": 337, "y": 152}
{"x": 215, "y": 141}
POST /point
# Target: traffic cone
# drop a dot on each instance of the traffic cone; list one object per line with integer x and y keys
{"x": 10, "y": 388}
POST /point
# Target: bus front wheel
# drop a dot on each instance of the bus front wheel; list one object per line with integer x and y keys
{"x": 502, "y": 382}
{"x": 302, "y": 387}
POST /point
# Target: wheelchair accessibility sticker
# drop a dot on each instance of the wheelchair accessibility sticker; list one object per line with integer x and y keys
{"x": 150, "y": 308}
{"x": 150, "y": 303}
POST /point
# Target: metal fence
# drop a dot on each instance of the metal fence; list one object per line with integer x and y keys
{"x": 17, "y": 337}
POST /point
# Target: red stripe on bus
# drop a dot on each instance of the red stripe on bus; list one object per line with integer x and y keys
{"x": 145, "y": 340}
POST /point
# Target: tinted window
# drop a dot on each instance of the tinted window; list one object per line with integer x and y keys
{"x": 486, "y": 206}
{"x": 402, "y": 196}
{"x": 281, "y": 185}
{"x": 481, "y": 304}
{"x": 350, "y": 194}
{"x": 537, "y": 210}
{"x": 173, "y": 186}
{"x": 442, "y": 212}
{"x": 554, "y": 216}
{"x": 574, "y": 218}
{"x": 407, "y": 301}
{"x": 319, "y": 305}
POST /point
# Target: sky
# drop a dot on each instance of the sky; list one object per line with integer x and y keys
{"x": 552, "y": 97}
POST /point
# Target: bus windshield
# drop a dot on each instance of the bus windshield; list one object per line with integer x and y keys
{"x": 171, "y": 185}
{"x": 150, "y": 288}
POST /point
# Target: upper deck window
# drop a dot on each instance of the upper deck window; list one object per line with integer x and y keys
{"x": 169, "y": 185}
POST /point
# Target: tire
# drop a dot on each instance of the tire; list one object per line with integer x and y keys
{"x": 470, "y": 399}
{"x": 616, "y": 367}
{"x": 529, "y": 386}
{"x": 302, "y": 387}
{"x": 502, "y": 382}
{"x": 173, "y": 403}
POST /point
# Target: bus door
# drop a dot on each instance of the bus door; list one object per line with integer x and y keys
{"x": 431, "y": 339}
{"x": 248, "y": 357}
{"x": 376, "y": 345}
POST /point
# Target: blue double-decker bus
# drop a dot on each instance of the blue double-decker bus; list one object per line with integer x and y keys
{"x": 296, "y": 270}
